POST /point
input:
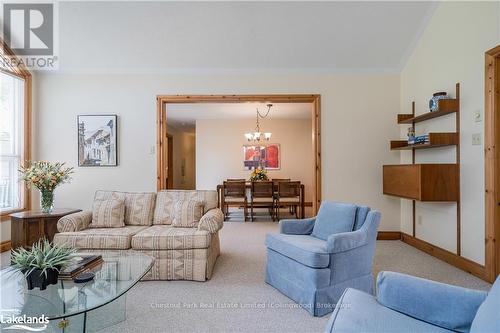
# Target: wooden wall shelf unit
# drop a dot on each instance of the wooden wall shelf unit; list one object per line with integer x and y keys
{"x": 429, "y": 182}
{"x": 445, "y": 106}
{"x": 422, "y": 182}
{"x": 435, "y": 140}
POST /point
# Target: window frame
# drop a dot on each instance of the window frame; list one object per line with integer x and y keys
{"x": 22, "y": 73}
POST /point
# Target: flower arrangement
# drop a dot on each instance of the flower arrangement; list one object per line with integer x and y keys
{"x": 45, "y": 176}
{"x": 41, "y": 264}
{"x": 258, "y": 174}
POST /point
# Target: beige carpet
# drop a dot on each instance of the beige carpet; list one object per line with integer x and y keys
{"x": 236, "y": 299}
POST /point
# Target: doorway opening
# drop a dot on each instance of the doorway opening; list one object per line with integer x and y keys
{"x": 170, "y": 160}
{"x": 166, "y": 104}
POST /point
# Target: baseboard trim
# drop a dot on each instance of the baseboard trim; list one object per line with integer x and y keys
{"x": 389, "y": 235}
{"x": 445, "y": 255}
{"x": 5, "y": 246}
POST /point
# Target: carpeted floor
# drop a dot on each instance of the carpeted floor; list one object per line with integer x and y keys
{"x": 236, "y": 299}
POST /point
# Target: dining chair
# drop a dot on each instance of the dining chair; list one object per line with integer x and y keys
{"x": 262, "y": 196}
{"x": 235, "y": 194}
{"x": 288, "y": 195}
{"x": 276, "y": 181}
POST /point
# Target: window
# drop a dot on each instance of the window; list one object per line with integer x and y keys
{"x": 12, "y": 131}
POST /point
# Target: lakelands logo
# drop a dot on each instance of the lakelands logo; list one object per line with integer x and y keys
{"x": 29, "y": 30}
{"x": 27, "y": 323}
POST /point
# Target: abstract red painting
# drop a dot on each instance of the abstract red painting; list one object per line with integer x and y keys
{"x": 264, "y": 156}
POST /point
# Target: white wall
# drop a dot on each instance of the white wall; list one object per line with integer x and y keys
{"x": 5, "y": 231}
{"x": 357, "y": 122}
{"x": 220, "y": 154}
{"x": 451, "y": 50}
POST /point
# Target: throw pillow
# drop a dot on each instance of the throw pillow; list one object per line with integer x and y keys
{"x": 333, "y": 218}
{"x": 187, "y": 213}
{"x": 108, "y": 214}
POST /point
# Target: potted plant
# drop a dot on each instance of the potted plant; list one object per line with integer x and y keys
{"x": 41, "y": 264}
{"x": 258, "y": 174}
{"x": 45, "y": 176}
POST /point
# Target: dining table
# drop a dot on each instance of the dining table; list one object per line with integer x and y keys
{"x": 248, "y": 185}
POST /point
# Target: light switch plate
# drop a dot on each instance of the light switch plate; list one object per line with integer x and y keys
{"x": 477, "y": 139}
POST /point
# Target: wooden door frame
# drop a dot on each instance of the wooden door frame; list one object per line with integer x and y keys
{"x": 161, "y": 126}
{"x": 492, "y": 163}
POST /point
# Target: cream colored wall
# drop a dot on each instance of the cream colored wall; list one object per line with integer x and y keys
{"x": 220, "y": 150}
{"x": 451, "y": 50}
{"x": 357, "y": 122}
{"x": 183, "y": 152}
{"x": 5, "y": 231}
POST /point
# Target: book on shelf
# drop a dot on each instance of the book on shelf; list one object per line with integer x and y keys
{"x": 83, "y": 263}
{"x": 420, "y": 139}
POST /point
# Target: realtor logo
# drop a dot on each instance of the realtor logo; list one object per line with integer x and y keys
{"x": 29, "y": 28}
{"x": 23, "y": 322}
{"x": 30, "y": 31}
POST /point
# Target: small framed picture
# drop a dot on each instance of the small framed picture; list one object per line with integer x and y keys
{"x": 97, "y": 140}
{"x": 265, "y": 156}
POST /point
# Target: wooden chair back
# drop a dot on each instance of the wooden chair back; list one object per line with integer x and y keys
{"x": 288, "y": 189}
{"x": 262, "y": 189}
{"x": 276, "y": 181}
{"x": 235, "y": 188}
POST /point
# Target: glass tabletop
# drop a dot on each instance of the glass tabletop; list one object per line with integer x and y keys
{"x": 120, "y": 271}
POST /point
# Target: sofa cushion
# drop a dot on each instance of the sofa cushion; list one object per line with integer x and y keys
{"x": 99, "y": 238}
{"x": 164, "y": 209}
{"x": 307, "y": 250}
{"x": 488, "y": 316}
{"x": 292, "y": 277}
{"x": 108, "y": 213}
{"x": 187, "y": 213}
{"x": 439, "y": 304}
{"x": 165, "y": 237}
{"x": 333, "y": 218}
{"x": 357, "y": 311}
{"x": 139, "y": 206}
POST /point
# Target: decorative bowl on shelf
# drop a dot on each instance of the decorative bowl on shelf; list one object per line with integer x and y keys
{"x": 434, "y": 101}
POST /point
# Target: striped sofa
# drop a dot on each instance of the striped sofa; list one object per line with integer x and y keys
{"x": 180, "y": 253}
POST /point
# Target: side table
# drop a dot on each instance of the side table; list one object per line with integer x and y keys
{"x": 30, "y": 226}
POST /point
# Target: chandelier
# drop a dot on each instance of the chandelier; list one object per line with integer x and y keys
{"x": 257, "y": 136}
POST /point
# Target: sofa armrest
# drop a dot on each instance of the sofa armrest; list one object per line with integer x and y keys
{"x": 346, "y": 241}
{"x": 437, "y": 303}
{"x": 212, "y": 221}
{"x": 297, "y": 227}
{"x": 74, "y": 222}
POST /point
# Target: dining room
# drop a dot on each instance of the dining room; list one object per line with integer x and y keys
{"x": 259, "y": 156}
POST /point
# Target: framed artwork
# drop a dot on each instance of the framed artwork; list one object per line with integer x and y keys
{"x": 97, "y": 142}
{"x": 266, "y": 156}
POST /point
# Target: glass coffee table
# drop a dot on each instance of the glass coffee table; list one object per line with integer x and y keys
{"x": 69, "y": 306}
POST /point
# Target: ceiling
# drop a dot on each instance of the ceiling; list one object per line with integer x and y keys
{"x": 184, "y": 116}
{"x": 114, "y": 36}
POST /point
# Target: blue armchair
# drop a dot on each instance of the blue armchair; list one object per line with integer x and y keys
{"x": 409, "y": 304}
{"x": 312, "y": 261}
